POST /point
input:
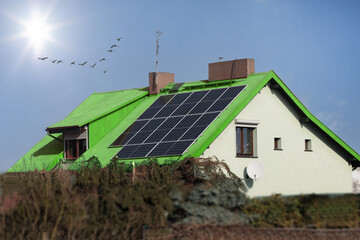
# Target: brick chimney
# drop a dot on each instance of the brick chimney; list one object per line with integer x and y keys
{"x": 240, "y": 68}
{"x": 163, "y": 79}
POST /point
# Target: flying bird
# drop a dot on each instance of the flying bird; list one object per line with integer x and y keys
{"x": 110, "y": 50}
{"x": 118, "y": 39}
{"x": 43, "y": 58}
{"x": 103, "y": 59}
{"x": 72, "y": 63}
{"x": 105, "y": 71}
{"x": 92, "y": 66}
{"x": 59, "y": 61}
{"x": 114, "y": 46}
{"x": 82, "y": 64}
{"x": 54, "y": 61}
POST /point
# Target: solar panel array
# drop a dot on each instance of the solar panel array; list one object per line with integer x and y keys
{"x": 173, "y": 122}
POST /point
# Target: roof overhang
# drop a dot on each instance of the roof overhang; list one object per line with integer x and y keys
{"x": 65, "y": 129}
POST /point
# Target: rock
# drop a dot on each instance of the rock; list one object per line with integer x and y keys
{"x": 214, "y": 205}
{"x": 200, "y": 214}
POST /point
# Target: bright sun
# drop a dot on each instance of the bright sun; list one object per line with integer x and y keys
{"x": 37, "y": 31}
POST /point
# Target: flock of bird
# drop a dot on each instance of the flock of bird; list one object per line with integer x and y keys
{"x": 56, "y": 61}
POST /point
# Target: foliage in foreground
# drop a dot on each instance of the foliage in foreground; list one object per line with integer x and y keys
{"x": 95, "y": 202}
{"x": 118, "y": 202}
{"x": 308, "y": 211}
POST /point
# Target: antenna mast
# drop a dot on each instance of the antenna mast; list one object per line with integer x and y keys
{"x": 158, "y": 34}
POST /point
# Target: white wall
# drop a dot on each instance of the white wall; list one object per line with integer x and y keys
{"x": 292, "y": 170}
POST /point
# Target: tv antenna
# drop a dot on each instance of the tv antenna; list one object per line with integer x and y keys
{"x": 158, "y": 34}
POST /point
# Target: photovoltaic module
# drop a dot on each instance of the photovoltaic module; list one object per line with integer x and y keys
{"x": 173, "y": 122}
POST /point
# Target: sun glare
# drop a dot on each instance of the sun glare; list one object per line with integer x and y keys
{"x": 37, "y": 31}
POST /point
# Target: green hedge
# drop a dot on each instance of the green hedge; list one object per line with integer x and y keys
{"x": 311, "y": 211}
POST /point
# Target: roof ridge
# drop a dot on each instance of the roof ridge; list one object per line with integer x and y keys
{"x": 260, "y": 73}
{"x": 206, "y": 84}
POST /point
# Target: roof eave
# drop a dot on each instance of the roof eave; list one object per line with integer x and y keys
{"x": 64, "y": 129}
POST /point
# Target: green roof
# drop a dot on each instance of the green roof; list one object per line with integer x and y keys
{"x": 44, "y": 155}
{"x": 98, "y": 105}
{"x": 106, "y": 153}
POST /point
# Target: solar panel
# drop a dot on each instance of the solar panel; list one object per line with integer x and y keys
{"x": 178, "y": 148}
{"x": 206, "y": 119}
{"x": 220, "y": 105}
{"x": 142, "y": 150}
{"x": 157, "y": 136}
{"x": 183, "y": 109}
{"x": 232, "y": 92}
{"x": 139, "y": 137}
{"x": 173, "y": 122}
{"x": 214, "y": 94}
{"x": 123, "y": 139}
{"x": 166, "y": 111}
{"x": 169, "y": 123}
{"x": 150, "y": 112}
{"x": 153, "y": 124}
{"x": 196, "y": 97}
{"x": 126, "y": 151}
{"x": 187, "y": 121}
{"x": 201, "y": 107}
{"x": 161, "y": 149}
{"x": 179, "y": 98}
{"x": 175, "y": 134}
{"x": 137, "y": 125}
{"x": 193, "y": 133}
{"x": 162, "y": 100}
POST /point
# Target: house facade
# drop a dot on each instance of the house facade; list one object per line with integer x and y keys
{"x": 298, "y": 158}
{"x": 237, "y": 116}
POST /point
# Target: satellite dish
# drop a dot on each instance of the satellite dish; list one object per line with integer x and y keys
{"x": 255, "y": 169}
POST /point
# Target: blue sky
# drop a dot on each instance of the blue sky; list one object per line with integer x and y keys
{"x": 312, "y": 45}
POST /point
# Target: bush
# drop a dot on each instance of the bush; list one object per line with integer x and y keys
{"x": 311, "y": 211}
{"x": 97, "y": 203}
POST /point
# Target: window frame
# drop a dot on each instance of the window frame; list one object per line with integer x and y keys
{"x": 308, "y": 145}
{"x": 277, "y": 143}
{"x": 77, "y": 148}
{"x": 251, "y": 131}
{"x": 245, "y": 123}
{"x": 77, "y": 135}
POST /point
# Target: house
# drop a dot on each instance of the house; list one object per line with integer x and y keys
{"x": 236, "y": 115}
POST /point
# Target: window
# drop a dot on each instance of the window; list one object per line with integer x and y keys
{"x": 277, "y": 144}
{"x": 74, "y": 148}
{"x": 308, "y": 145}
{"x": 244, "y": 141}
